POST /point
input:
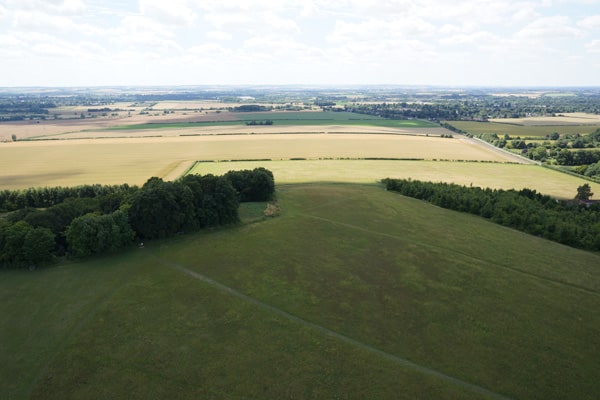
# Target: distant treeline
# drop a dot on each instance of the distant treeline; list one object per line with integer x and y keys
{"x": 49, "y": 222}
{"x": 25, "y": 107}
{"x": 566, "y": 222}
{"x": 457, "y": 108}
{"x": 19, "y": 109}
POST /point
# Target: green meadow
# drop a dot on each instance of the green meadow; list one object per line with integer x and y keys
{"x": 351, "y": 292}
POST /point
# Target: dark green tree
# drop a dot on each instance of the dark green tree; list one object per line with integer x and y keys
{"x": 584, "y": 192}
{"x": 161, "y": 209}
{"x": 38, "y": 246}
{"x": 93, "y": 233}
{"x": 253, "y": 185}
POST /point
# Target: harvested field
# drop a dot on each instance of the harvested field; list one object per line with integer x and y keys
{"x": 60, "y": 127}
{"x": 111, "y": 161}
{"x": 493, "y": 175}
{"x": 560, "y": 119}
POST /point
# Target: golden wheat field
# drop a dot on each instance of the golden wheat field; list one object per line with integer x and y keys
{"x": 110, "y": 161}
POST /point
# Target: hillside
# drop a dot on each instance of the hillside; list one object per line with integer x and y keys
{"x": 352, "y": 292}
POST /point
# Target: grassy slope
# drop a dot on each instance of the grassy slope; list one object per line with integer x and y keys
{"x": 482, "y": 303}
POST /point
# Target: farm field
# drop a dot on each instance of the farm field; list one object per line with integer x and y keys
{"x": 112, "y": 161}
{"x": 492, "y": 175}
{"x": 352, "y": 292}
{"x": 235, "y": 128}
{"x": 523, "y": 131}
{"x": 561, "y": 119}
{"x": 199, "y": 121}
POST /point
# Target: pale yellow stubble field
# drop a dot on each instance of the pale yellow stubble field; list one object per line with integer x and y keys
{"x": 133, "y": 161}
{"x": 561, "y": 119}
{"x": 492, "y": 175}
{"x": 70, "y": 124}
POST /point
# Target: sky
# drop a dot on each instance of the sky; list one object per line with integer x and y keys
{"x": 306, "y": 42}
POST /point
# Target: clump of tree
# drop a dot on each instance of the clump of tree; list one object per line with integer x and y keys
{"x": 111, "y": 217}
{"x": 253, "y": 185}
{"x": 22, "y": 245}
{"x": 584, "y": 192}
{"x": 99, "y": 233}
{"x": 250, "y": 108}
{"x": 162, "y": 209}
{"x": 570, "y": 223}
{"x": 253, "y": 122}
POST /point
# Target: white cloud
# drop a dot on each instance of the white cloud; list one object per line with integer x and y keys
{"x": 37, "y": 21}
{"x": 243, "y": 6}
{"x": 377, "y": 30}
{"x": 254, "y": 23}
{"x": 482, "y": 37}
{"x": 276, "y": 47}
{"x": 309, "y": 8}
{"x": 429, "y": 41}
{"x": 593, "y": 47}
{"x": 591, "y": 22}
{"x": 453, "y": 29}
{"x": 173, "y": 12}
{"x": 219, "y": 35}
{"x": 132, "y": 25}
{"x": 60, "y": 7}
{"x": 10, "y": 41}
{"x": 549, "y": 28}
{"x": 54, "y": 50}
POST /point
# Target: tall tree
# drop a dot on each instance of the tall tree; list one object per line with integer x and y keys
{"x": 584, "y": 192}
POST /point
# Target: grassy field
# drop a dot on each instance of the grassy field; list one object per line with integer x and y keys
{"x": 523, "y": 131}
{"x": 493, "y": 175}
{"x": 113, "y": 161}
{"x": 352, "y": 292}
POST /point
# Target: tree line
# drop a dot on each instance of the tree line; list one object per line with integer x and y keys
{"x": 568, "y": 222}
{"x": 479, "y": 108}
{"x": 42, "y": 197}
{"x": 97, "y": 219}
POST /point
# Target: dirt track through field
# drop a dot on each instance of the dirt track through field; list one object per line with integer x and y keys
{"x": 353, "y": 342}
